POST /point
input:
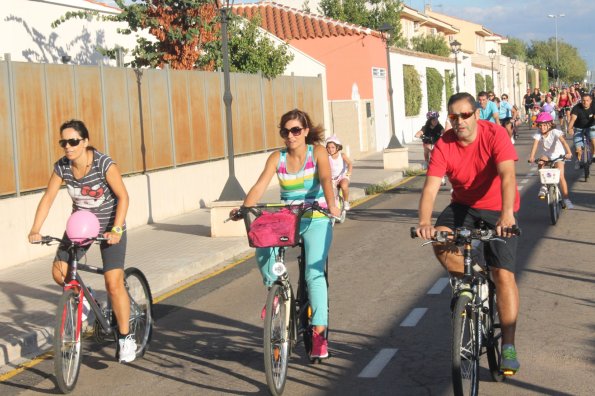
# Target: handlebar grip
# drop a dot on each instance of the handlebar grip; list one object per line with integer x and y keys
{"x": 515, "y": 230}
{"x": 413, "y": 232}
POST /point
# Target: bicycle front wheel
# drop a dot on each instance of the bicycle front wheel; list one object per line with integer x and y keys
{"x": 494, "y": 337}
{"x": 67, "y": 341}
{"x": 141, "y": 309}
{"x": 465, "y": 347}
{"x": 553, "y": 203}
{"x": 587, "y": 159}
{"x": 276, "y": 339}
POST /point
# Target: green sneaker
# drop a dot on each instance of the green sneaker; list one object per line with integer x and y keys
{"x": 509, "y": 365}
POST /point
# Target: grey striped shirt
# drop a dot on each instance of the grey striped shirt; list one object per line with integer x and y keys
{"x": 91, "y": 192}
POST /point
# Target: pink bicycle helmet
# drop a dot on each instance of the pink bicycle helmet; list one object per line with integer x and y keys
{"x": 543, "y": 117}
{"x": 333, "y": 139}
{"x": 432, "y": 114}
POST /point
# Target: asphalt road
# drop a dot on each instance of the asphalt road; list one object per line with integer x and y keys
{"x": 389, "y": 320}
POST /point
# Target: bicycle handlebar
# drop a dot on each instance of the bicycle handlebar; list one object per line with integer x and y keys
{"x": 48, "y": 239}
{"x": 301, "y": 208}
{"x": 548, "y": 162}
{"x": 482, "y": 234}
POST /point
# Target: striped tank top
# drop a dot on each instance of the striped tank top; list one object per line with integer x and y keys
{"x": 302, "y": 186}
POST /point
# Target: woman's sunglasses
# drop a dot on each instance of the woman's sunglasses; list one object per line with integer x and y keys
{"x": 71, "y": 142}
{"x": 464, "y": 116}
{"x": 295, "y": 131}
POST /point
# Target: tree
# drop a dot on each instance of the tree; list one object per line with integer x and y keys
{"x": 432, "y": 44}
{"x": 571, "y": 67}
{"x": 434, "y": 86}
{"x": 187, "y": 36}
{"x": 515, "y": 48}
{"x": 367, "y": 13}
{"x": 479, "y": 83}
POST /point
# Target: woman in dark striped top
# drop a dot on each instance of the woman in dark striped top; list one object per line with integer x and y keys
{"x": 95, "y": 184}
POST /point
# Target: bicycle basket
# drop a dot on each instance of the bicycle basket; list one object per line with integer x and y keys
{"x": 549, "y": 176}
{"x": 273, "y": 227}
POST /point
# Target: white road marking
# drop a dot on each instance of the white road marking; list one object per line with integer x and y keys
{"x": 414, "y": 316}
{"x": 520, "y": 187}
{"x": 377, "y": 364}
{"x": 438, "y": 286}
{"x": 524, "y": 181}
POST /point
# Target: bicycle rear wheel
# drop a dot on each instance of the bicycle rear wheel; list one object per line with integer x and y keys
{"x": 465, "y": 347}
{"x": 553, "y": 203}
{"x": 67, "y": 341}
{"x": 494, "y": 337}
{"x": 587, "y": 159}
{"x": 141, "y": 309}
{"x": 276, "y": 339}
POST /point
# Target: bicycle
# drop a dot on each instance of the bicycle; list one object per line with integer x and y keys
{"x": 586, "y": 158}
{"x": 549, "y": 176}
{"x": 339, "y": 201}
{"x": 476, "y": 326}
{"x": 68, "y": 327}
{"x": 287, "y": 314}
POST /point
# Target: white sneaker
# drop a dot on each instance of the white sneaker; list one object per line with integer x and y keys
{"x": 542, "y": 192}
{"x": 127, "y": 349}
{"x": 347, "y": 206}
{"x": 568, "y": 204}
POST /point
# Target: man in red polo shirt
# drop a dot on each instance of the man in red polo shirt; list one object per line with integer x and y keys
{"x": 479, "y": 160}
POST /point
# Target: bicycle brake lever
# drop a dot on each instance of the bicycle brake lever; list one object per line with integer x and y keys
{"x": 427, "y": 243}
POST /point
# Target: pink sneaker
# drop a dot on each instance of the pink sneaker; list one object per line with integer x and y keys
{"x": 275, "y": 306}
{"x": 319, "y": 346}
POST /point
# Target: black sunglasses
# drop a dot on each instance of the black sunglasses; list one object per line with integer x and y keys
{"x": 71, "y": 142}
{"x": 295, "y": 131}
{"x": 464, "y": 116}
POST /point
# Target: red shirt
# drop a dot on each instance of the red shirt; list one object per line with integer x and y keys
{"x": 472, "y": 169}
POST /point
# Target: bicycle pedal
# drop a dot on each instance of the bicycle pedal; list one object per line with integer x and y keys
{"x": 508, "y": 373}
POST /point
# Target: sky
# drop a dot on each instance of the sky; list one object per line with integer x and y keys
{"x": 523, "y": 19}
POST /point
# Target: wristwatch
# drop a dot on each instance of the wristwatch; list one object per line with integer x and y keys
{"x": 117, "y": 230}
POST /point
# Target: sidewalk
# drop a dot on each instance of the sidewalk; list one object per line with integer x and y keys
{"x": 169, "y": 253}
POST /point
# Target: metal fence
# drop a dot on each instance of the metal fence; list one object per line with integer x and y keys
{"x": 144, "y": 119}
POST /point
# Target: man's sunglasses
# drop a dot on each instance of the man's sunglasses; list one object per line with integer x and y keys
{"x": 71, "y": 142}
{"x": 295, "y": 131}
{"x": 464, "y": 116}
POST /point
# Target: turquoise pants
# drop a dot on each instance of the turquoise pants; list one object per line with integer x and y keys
{"x": 317, "y": 235}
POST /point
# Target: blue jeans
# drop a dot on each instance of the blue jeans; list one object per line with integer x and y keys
{"x": 317, "y": 234}
{"x": 589, "y": 133}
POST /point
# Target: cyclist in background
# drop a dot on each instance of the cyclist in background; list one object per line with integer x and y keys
{"x": 528, "y": 103}
{"x": 341, "y": 167}
{"x": 536, "y": 95}
{"x": 430, "y": 133}
{"x": 94, "y": 183}
{"x": 487, "y": 109}
{"x": 484, "y": 189}
{"x": 549, "y": 144}
{"x": 582, "y": 119}
{"x": 564, "y": 104}
{"x": 304, "y": 174}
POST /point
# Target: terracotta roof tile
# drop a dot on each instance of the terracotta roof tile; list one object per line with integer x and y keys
{"x": 289, "y": 23}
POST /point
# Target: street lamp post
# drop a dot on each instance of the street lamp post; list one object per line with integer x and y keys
{"x": 455, "y": 47}
{"x": 512, "y": 62}
{"x": 232, "y": 191}
{"x": 394, "y": 142}
{"x": 492, "y": 55}
{"x": 556, "y": 16}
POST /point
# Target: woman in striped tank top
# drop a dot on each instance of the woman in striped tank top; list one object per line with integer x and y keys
{"x": 304, "y": 175}
{"x": 95, "y": 184}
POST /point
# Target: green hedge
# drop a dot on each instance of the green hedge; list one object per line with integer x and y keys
{"x": 489, "y": 84}
{"x": 449, "y": 84}
{"x": 412, "y": 85}
{"x": 479, "y": 83}
{"x": 531, "y": 81}
{"x": 434, "y": 84}
{"x": 544, "y": 82}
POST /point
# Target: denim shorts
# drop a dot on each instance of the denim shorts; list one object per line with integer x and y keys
{"x": 497, "y": 254}
{"x": 578, "y": 135}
